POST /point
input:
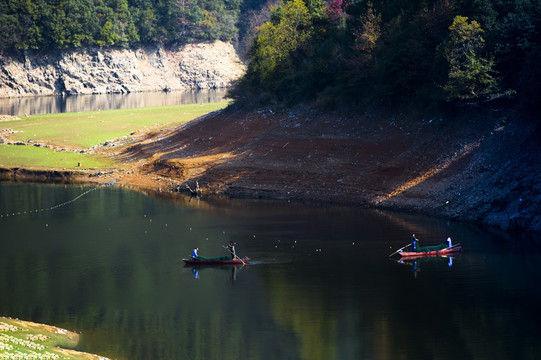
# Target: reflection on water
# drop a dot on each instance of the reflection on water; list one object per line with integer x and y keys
{"x": 416, "y": 263}
{"x": 60, "y": 104}
{"x": 232, "y": 269}
{"x": 321, "y": 285}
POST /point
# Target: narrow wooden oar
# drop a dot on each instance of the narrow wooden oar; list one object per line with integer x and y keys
{"x": 399, "y": 250}
{"x": 450, "y": 247}
{"x": 243, "y": 263}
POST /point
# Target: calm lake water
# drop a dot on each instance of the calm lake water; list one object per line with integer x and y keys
{"x": 321, "y": 285}
{"x": 59, "y": 104}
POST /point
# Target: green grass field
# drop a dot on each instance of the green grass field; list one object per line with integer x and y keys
{"x": 33, "y": 157}
{"x": 86, "y": 129}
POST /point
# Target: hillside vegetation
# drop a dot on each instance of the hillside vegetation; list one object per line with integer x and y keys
{"x": 394, "y": 52}
{"x": 334, "y": 53}
{"x": 72, "y": 24}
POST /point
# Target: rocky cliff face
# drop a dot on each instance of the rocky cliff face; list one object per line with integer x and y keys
{"x": 99, "y": 71}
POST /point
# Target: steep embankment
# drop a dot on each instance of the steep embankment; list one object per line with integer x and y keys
{"x": 483, "y": 169}
{"x": 98, "y": 71}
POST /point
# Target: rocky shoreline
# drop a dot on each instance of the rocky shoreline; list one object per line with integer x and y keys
{"x": 479, "y": 170}
{"x": 99, "y": 71}
{"x": 483, "y": 166}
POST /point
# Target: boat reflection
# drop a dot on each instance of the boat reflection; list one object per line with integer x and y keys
{"x": 415, "y": 262}
{"x": 233, "y": 270}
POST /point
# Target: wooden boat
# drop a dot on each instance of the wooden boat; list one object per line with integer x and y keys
{"x": 439, "y": 250}
{"x": 223, "y": 260}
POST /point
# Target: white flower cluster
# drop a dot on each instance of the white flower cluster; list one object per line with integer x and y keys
{"x": 36, "y": 337}
{"x": 31, "y": 355}
{"x": 4, "y": 347}
{"x": 8, "y": 344}
{"x": 21, "y": 342}
{"x": 8, "y": 327}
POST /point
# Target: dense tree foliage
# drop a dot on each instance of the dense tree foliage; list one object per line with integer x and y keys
{"x": 395, "y": 52}
{"x": 469, "y": 73}
{"x": 332, "y": 52}
{"x": 287, "y": 31}
{"x": 61, "y": 24}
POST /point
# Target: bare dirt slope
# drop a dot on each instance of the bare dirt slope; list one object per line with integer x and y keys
{"x": 479, "y": 169}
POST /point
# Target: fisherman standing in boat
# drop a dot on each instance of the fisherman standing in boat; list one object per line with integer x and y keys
{"x": 194, "y": 253}
{"x": 231, "y": 248}
{"x": 414, "y": 243}
{"x": 449, "y": 242}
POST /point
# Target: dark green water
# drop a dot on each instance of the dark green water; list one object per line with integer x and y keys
{"x": 321, "y": 285}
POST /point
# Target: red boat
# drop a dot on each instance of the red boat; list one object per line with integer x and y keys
{"x": 223, "y": 260}
{"x": 440, "y": 250}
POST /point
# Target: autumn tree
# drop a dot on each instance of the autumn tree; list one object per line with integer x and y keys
{"x": 365, "y": 37}
{"x": 470, "y": 73}
{"x": 256, "y": 14}
{"x": 290, "y": 27}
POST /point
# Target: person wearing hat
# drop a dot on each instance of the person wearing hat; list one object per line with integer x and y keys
{"x": 414, "y": 243}
{"x": 231, "y": 248}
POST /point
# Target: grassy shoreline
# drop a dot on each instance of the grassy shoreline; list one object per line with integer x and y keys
{"x": 33, "y": 157}
{"x": 28, "y": 340}
{"x": 60, "y": 141}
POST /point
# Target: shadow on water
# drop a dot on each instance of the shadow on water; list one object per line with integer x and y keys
{"x": 321, "y": 285}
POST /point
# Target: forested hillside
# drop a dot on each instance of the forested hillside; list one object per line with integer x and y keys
{"x": 72, "y": 24}
{"x": 333, "y": 53}
{"x": 379, "y": 53}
